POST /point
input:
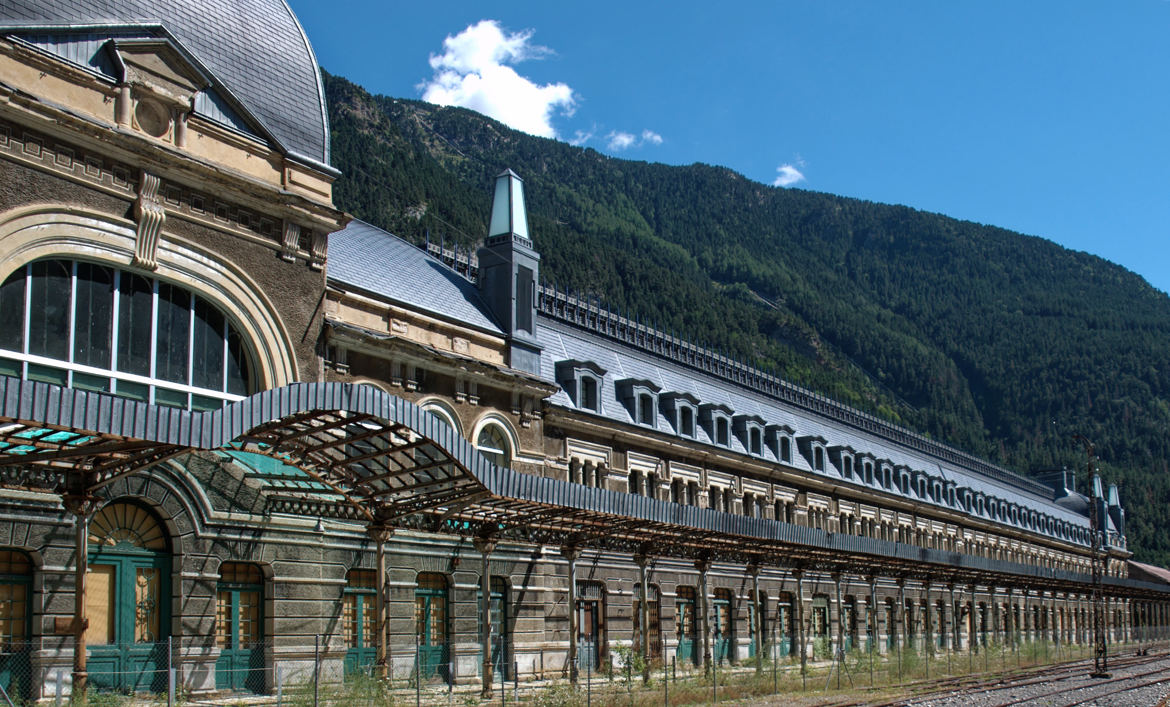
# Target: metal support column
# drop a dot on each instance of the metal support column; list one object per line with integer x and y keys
{"x": 380, "y": 535}
{"x": 570, "y": 553}
{"x": 644, "y": 615}
{"x": 81, "y": 507}
{"x": 703, "y": 566}
{"x": 798, "y": 575}
{"x": 753, "y": 569}
{"x": 485, "y": 546}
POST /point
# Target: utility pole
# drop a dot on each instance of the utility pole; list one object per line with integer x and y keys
{"x": 1097, "y": 525}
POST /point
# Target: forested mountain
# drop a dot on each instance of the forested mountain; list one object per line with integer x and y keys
{"x": 1001, "y": 344}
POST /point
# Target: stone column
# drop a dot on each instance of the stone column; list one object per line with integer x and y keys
{"x": 485, "y": 545}
{"x": 1009, "y": 619}
{"x": 703, "y": 566}
{"x": 571, "y": 553}
{"x": 644, "y": 618}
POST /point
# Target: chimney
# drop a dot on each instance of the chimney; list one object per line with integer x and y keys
{"x": 509, "y": 270}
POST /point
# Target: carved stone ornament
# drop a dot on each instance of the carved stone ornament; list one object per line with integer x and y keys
{"x": 151, "y": 215}
{"x": 318, "y": 245}
{"x": 291, "y": 241}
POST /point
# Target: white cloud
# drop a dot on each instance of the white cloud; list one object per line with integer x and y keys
{"x": 474, "y": 72}
{"x": 787, "y": 175}
{"x": 580, "y": 137}
{"x": 618, "y": 141}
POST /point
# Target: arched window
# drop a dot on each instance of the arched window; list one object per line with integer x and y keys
{"x": 95, "y": 327}
{"x": 492, "y": 442}
{"x": 442, "y": 413}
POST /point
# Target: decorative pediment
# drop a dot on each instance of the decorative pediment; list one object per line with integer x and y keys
{"x": 160, "y": 68}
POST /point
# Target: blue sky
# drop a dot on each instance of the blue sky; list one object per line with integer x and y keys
{"x": 1048, "y": 118}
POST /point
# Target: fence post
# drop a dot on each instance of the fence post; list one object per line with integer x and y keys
{"x": 417, "y": 671}
{"x": 170, "y": 673}
{"x": 60, "y": 686}
{"x": 316, "y": 668}
{"x": 279, "y": 688}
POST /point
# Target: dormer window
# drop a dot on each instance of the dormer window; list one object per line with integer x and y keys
{"x": 812, "y": 448}
{"x": 716, "y": 421}
{"x": 641, "y": 400}
{"x": 750, "y": 431}
{"x": 864, "y": 467}
{"x": 779, "y": 439}
{"x": 886, "y": 473}
{"x": 842, "y": 457}
{"x": 681, "y": 409}
{"x": 582, "y": 381}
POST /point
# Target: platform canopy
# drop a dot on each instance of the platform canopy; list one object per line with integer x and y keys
{"x": 358, "y": 453}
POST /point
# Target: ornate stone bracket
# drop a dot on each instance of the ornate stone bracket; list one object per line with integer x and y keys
{"x": 290, "y": 242}
{"x": 151, "y": 215}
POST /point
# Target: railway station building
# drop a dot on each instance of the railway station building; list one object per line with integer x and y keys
{"x": 239, "y": 429}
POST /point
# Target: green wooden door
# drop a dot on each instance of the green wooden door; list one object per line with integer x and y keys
{"x": 15, "y": 624}
{"x": 239, "y": 626}
{"x": 751, "y": 630}
{"x": 589, "y": 627}
{"x": 127, "y": 600}
{"x": 686, "y": 625}
{"x": 498, "y": 606}
{"x": 358, "y": 616}
{"x": 784, "y": 627}
{"x": 723, "y": 627}
{"x": 430, "y": 618}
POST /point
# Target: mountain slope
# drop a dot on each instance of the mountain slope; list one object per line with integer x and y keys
{"x": 1001, "y": 344}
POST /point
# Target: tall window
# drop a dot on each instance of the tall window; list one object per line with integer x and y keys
{"x": 239, "y": 627}
{"x": 15, "y": 578}
{"x": 358, "y": 617}
{"x": 430, "y": 620}
{"x": 99, "y": 328}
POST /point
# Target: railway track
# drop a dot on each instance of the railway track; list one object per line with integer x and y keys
{"x": 1135, "y": 682}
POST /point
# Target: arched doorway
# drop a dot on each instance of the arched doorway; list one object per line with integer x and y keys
{"x": 128, "y": 598}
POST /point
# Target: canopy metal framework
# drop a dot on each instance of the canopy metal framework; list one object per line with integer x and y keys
{"x": 357, "y": 453}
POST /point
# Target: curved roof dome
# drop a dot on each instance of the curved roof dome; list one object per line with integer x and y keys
{"x": 255, "y": 50}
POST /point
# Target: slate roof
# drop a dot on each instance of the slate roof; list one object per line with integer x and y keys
{"x": 562, "y": 341}
{"x": 366, "y": 257}
{"x": 254, "y": 48}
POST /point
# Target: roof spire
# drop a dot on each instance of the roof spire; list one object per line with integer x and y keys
{"x": 509, "y": 215}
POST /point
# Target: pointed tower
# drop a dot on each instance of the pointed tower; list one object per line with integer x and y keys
{"x": 508, "y": 272}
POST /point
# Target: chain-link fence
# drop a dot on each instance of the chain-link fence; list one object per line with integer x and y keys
{"x": 306, "y": 671}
